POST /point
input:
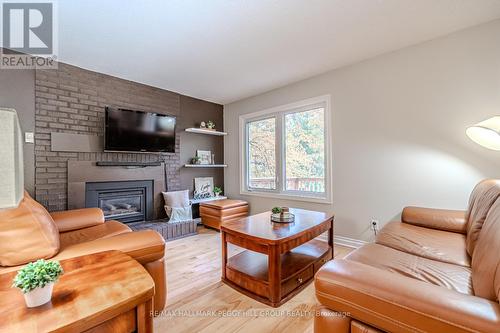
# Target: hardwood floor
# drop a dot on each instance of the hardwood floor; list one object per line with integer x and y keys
{"x": 199, "y": 302}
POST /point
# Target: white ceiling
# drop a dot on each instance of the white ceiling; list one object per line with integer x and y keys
{"x": 226, "y": 50}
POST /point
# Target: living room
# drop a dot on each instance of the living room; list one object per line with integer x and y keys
{"x": 235, "y": 166}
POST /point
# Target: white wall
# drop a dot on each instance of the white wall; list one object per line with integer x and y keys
{"x": 399, "y": 125}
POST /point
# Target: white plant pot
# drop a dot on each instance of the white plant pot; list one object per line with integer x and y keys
{"x": 39, "y": 296}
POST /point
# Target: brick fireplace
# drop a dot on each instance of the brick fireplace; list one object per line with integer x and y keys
{"x": 72, "y": 100}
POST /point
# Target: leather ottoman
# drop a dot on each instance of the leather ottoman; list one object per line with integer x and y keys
{"x": 214, "y": 213}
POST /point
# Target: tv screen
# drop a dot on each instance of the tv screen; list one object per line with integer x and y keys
{"x": 127, "y": 130}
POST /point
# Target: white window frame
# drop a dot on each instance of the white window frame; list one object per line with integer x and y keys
{"x": 279, "y": 113}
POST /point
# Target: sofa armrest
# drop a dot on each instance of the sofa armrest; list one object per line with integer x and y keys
{"x": 442, "y": 219}
{"x": 144, "y": 246}
{"x": 77, "y": 218}
{"x": 396, "y": 303}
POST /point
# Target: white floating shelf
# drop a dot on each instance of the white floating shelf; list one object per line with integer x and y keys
{"x": 204, "y": 131}
{"x": 205, "y": 165}
{"x": 195, "y": 201}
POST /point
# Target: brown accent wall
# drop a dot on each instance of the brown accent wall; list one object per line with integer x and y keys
{"x": 193, "y": 112}
{"x": 72, "y": 100}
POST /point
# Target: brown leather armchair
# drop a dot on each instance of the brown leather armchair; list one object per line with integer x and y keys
{"x": 435, "y": 271}
{"x": 29, "y": 232}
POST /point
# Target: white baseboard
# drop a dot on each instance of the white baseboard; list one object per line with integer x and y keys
{"x": 348, "y": 242}
{"x": 344, "y": 241}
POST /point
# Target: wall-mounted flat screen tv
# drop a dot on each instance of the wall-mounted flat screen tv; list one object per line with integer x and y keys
{"x": 137, "y": 131}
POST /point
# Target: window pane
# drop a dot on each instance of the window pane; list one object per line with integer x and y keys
{"x": 305, "y": 151}
{"x": 262, "y": 154}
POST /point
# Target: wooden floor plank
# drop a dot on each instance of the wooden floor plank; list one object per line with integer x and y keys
{"x": 197, "y": 298}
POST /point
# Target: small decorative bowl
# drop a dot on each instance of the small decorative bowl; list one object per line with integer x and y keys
{"x": 285, "y": 218}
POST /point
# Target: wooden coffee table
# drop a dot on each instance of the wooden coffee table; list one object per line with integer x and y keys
{"x": 281, "y": 258}
{"x": 102, "y": 292}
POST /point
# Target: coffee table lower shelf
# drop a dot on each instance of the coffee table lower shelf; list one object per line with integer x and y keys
{"x": 248, "y": 273}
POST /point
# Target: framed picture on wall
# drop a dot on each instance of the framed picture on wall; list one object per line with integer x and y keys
{"x": 203, "y": 187}
{"x": 205, "y": 156}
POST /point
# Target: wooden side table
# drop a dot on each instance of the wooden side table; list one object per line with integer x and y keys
{"x": 281, "y": 258}
{"x": 102, "y": 292}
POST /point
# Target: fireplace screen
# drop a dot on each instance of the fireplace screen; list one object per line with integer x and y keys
{"x": 116, "y": 205}
{"x": 125, "y": 201}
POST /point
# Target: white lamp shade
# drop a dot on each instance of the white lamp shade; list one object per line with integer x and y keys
{"x": 486, "y": 133}
{"x": 11, "y": 159}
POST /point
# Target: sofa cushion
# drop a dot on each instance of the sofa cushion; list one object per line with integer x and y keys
{"x": 144, "y": 246}
{"x": 481, "y": 199}
{"x": 442, "y": 274}
{"x": 486, "y": 257}
{"x": 428, "y": 243}
{"x": 392, "y": 302}
{"x": 441, "y": 219}
{"x": 27, "y": 233}
{"x": 104, "y": 230}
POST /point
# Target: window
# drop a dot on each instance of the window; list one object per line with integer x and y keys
{"x": 305, "y": 151}
{"x": 284, "y": 151}
{"x": 262, "y": 154}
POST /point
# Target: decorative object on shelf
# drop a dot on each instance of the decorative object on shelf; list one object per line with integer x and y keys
{"x": 36, "y": 280}
{"x": 205, "y": 156}
{"x": 486, "y": 133}
{"x": 211, "y": 125}
{"x": 282, "y": 215}
{"x": 217, "y": 191}
{"x": 203, "y": 187}
{"x": 201, "y": 196}
{"x": 195, "y": 160}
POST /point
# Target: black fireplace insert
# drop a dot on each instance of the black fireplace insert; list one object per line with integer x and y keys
{"x": 125, "y": 201}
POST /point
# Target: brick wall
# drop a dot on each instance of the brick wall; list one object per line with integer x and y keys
{"x": 72, "y": 100}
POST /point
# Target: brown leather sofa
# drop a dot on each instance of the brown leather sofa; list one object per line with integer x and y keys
{"x": 29, "y": 232}
{"x": 435, "y": 271}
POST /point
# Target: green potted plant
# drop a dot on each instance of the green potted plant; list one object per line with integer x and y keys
{"x": 210, "y": 125}
{"x": 195, "y": 160}
{"x": 36, "y": 281}
{"x": 276, "y": 210}
{"x": 217, "y": 191}
{"x": 281, "y": 211}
